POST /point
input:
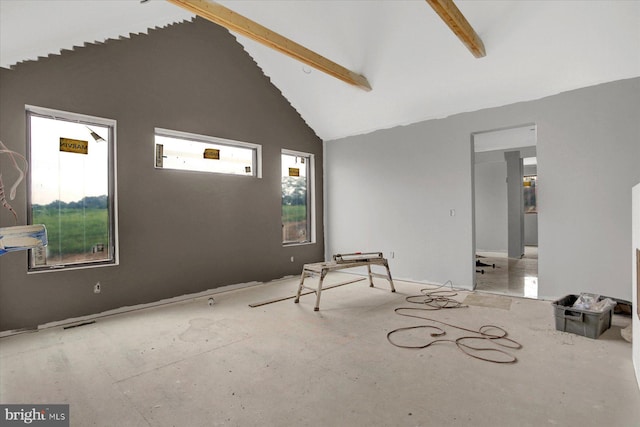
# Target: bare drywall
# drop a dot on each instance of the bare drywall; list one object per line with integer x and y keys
{"x": 179, "y": 232}
{"x": 393, "y": 190}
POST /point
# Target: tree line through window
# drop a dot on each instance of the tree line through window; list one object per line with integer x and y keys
{"x": 71, "y": 188}
{"x": 296, "y": 198}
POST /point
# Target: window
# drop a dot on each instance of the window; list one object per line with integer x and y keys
{"x": 71, "y": 188}
{"x": 297, "y": 198}
{"x": 185, "y": 151}
{"x": 530, "y": 194}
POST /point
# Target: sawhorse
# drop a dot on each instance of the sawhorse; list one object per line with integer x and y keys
{"x": 341, "y": 262}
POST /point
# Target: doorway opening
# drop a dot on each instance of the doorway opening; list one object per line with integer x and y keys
{"x": 505, "y": 223}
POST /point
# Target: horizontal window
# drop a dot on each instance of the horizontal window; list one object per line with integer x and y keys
{"x": 185, "y": 151}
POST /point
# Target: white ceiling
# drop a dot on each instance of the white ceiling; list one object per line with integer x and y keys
{"x": 417, "y": 68}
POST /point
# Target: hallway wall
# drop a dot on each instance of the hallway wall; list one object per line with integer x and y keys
{"x": 491, "y": 206}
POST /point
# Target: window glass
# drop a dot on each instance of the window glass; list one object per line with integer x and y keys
{"x": 296, "y": 198}
{"x": 177, "y": 150}
{"x": 530, "y": 194}
{"x": 71, "y": 188}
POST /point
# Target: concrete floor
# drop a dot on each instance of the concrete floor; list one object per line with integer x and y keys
{"x": 191, "y": 364}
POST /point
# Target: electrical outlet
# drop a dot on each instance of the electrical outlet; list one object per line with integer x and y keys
{"x": 96, "y": 288}
{"x": 392, "y": 254}
{"x": 292, "y": 259}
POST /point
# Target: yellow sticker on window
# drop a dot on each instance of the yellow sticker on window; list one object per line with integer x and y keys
{"x": 212, "y": 153}
{"x": 74, "y": 146}
{"x": 294, "y": 172}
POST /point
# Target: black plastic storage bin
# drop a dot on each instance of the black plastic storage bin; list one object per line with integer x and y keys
{"x": 590, "y": 324}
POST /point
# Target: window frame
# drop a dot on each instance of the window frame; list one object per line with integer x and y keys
{"x": 534, "y": 188}
{"x": 311, "y": 197}
{"x": 112, "y": 198}
{"x": 169, "y": 133}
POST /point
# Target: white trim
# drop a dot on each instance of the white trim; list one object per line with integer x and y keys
{"x": 82, "y": 266}
{"x": 297, "y": 153}
{"x": 311, "y": 176}
{"x": 86, "y": 120}
{"x": 116, "y": 235}
{"x": 70, "y": 116}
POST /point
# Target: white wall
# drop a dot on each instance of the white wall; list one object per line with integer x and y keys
{"x": 531, "y": 229}
{"x": 634, "y": 314}
{"x": 515, "y": 204}
{"x": 491, "y": 206}
{"x": 392, "y": 190}
{"x": 491, "y": 199}
{"x": 491, "y": 209}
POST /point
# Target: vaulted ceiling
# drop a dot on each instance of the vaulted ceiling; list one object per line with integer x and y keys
{"x": 416, "y": 66}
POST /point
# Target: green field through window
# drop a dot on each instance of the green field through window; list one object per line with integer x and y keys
{"x": 70, "y": 183}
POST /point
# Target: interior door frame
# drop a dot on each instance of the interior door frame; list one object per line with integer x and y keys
{"x": 472, "y": 141}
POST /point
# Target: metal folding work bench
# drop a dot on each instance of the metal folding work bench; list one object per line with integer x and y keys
{"x": 341, "y": 262}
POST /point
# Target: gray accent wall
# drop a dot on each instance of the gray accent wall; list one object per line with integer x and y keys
{"x": 179, "y": 232}
{"x": 393, "y": 190}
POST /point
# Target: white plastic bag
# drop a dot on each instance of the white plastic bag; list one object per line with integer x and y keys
{"x": 592, "y": 302}
{"x": 586, "y": 301}
{"x": 604, "y": 305}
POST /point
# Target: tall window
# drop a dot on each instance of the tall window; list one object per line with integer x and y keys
{"x": 297, "y": 200}
{"x": 72, "y": 188}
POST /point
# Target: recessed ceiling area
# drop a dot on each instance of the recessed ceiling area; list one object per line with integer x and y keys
{"x": 417, "y": 68}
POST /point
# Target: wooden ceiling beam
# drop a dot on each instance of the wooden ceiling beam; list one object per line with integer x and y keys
{"x": 227, "y": 18}
{"x": 456, "y": 21}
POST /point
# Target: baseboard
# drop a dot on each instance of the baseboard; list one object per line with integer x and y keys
{"x": 127, "y": 309}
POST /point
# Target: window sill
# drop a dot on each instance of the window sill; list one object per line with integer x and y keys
{"x": 69, "y": 268}
{"x": 288, "y": 245}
